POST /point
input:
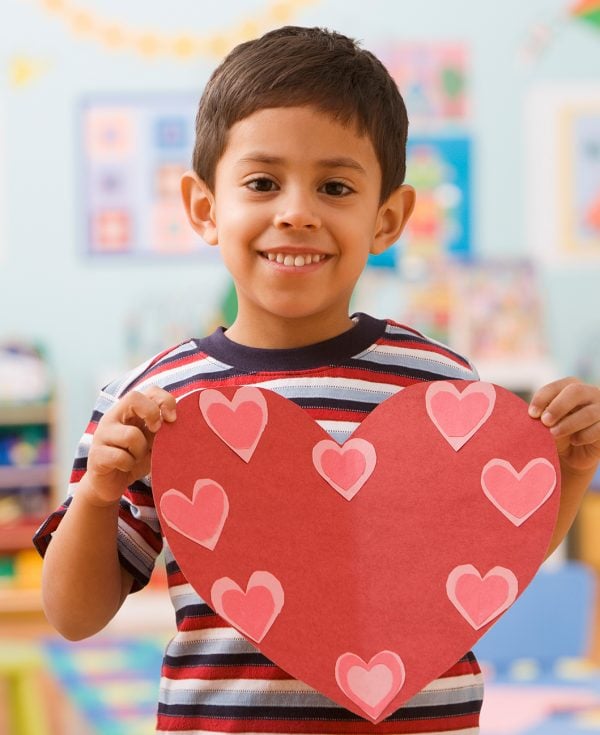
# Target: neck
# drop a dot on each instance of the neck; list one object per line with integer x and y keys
{"x": 278, "y": 333}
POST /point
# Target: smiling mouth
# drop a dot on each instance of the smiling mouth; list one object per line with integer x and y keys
{"x": 297, "y": 260}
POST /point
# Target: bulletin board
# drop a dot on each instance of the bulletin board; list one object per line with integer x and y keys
{"x": 133, "y": 151}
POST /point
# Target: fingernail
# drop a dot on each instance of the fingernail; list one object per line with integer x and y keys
{"x": 547, "y": 418}
{"x": 534, "y": 412}
{"x": 555, "y": 430}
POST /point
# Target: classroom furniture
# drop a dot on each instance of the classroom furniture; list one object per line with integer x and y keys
{"x": 20, "y": 666}
{"x": 538, "y": 680}
{"x": 27, "y": 495}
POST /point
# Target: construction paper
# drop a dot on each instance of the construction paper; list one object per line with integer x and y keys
{"x": 459, "y": 415}
{"x": 345, "y": 468}
{"x": 239, "y": 422}
{"x": 252, "y": 611}
{"x": 367, "y": 569}
{"x": 200, "y": 519}
{"x": 481, "y": 599}
{"x": 518, "y": 494}
{"x": 371, "y": 685}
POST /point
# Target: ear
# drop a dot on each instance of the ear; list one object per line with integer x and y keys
{"x": 392, "y": 217}
{"x": 199, "y": 202}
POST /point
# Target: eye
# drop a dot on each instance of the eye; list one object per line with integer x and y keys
{"x": 336, "y": 189}
{"x": 261, "y": 184}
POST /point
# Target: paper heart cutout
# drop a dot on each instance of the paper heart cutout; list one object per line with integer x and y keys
{"x": 372, "y": 686}
{"x": 254, "y": 611}
{"x": 345, "y": 468}
{"x": 239, "y": 422}
{"x": 367, "y": 575}
{"x": 518, "y": 494}
{"x": 458, "y": 415}
{"x": 200, "y": 519}
{"x": 481, "y": 599}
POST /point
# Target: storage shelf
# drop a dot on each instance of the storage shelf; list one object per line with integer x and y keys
{"x": 14, "y": 537}
{"x": 32, "y": 476}
{"x": 21, "y": 414}
{"x": 20, "y": 601}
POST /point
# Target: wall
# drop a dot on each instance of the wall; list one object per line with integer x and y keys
{"x": 51, "y": 294}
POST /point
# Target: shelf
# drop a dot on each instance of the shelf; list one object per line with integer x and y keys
{"x": 15, "y": 537}
{"x": 32, "y": 476}
{"x": 20, "y": 600}
{"x": 20, "y": 414}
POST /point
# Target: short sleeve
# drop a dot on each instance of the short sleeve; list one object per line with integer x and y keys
{"x": 139, "y": 537}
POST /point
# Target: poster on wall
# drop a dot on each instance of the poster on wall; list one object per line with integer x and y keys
{"x": 3, "y": 189}
{"x": 433, "y": 79}
{"x": 439, "y": 168}
{"x": 563, "y": 173}
{"x": 133, "y": 152}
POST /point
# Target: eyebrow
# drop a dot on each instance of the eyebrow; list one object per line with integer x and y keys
{"x": 335, "y": 162}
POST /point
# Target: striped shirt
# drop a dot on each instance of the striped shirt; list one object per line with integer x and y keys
{"x": 213, "y": 680}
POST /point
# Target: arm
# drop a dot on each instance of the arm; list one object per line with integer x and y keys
{"x": 83, "y": 583}
{"x": 571, "y": 409}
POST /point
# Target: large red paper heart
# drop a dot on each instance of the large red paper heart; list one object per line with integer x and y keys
{"x": 365, "y": 570}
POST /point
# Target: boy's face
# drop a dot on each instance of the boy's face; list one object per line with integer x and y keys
{"x": 296, "y": 212}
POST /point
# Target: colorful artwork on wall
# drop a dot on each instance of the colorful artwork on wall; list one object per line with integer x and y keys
{"x": 440, "y": 170}
{"x": 564, "y": 173}
{"x": 587, "y": 11}
{"x": 133, "y": 154}
{"x": 581, "y": 180}
{"x": 433, "y": 79}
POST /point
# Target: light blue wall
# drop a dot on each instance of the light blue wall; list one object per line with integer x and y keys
{"x": 51, "y": 294}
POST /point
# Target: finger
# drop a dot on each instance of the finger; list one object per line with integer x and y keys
{"x": 104, "y": 459}
{"x": 543, "y": 397}
{"x": 587, "y": 437}
{"x": 138, "y": 409}
{"x": 165, "y": 400}
{"x": 576, "y": 400}
{"x": 577, "y": 421}
{"x": 130, "y": 438}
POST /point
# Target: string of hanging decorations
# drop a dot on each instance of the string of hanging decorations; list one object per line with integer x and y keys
{"x": 117, "y": 36}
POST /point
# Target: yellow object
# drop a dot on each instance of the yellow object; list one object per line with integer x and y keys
{"x": 152, "y": 43}
{"x": 24, "y": 70}
{"x": 28, "y": 569}
{"x": 20, "y": 664}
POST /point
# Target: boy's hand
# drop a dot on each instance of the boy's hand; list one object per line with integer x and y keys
{"x": 571, "y": 409}
{"x": 122, "y": 443}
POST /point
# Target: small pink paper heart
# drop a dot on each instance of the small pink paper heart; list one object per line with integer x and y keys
{"x": 200, "y": 519}
{"x": 518, "y": 494}
{"x": 345, "y": 468}
{"x": 373, "y": 685}
{"x": 458, "y": 416}
{"x": 239, "y": 422}
{"x": 254, "y": 611}
{"x": 481, "y": 599}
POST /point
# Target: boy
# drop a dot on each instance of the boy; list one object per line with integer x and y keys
{"x": 298, "y": 176}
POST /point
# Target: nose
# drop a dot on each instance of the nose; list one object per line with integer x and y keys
{"x": 297, "y": 212}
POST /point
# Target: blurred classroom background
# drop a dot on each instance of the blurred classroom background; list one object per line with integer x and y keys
{"x": 98, "y": 271}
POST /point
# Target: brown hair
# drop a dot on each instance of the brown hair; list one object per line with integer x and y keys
{"x": 294, "y": 66}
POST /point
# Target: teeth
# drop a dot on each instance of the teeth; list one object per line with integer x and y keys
{"x": 296, "y": 260}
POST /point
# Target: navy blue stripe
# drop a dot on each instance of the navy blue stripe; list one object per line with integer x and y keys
{"x": 219, "y": 660}
{"x": 231, "y": 712}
